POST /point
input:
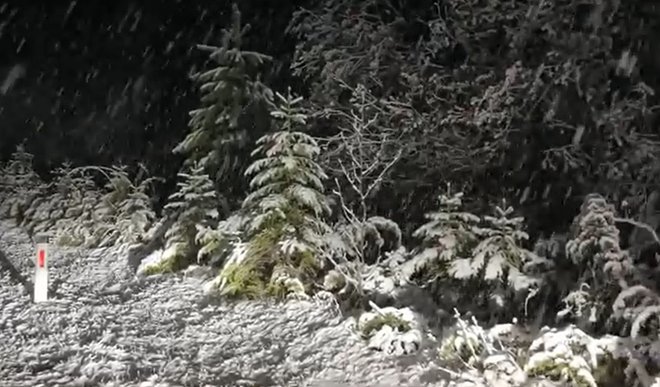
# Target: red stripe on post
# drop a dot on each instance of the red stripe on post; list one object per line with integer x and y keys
{"x": 41, "y": 258}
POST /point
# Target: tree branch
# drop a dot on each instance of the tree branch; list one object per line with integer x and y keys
{"x": 641, "y": 225}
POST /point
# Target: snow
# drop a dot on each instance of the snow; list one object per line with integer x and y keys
{"x": 105, "y": 326}
{"x": 13, "y": 75}
{"x": 390, "y": 340}
{"x": 154, "y": 258}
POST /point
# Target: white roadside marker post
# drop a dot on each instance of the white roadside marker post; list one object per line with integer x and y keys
{"x": 41, "y": 269}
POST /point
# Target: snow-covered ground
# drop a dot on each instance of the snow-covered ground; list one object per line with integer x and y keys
{"x": 105, "y": 327}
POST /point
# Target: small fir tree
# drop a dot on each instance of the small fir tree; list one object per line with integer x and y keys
{"x": 195, "y": 205}
{"x": 448, "y": 235}
{"x": 500, "y": 247}
{"x": 287, "y": 182}
{"x": 131, "y": 206}
{"x": 19, "y": 185}
{"x": 19, "y": 172}
{"x": 217, "y": 133}
{"x": 287, "y": 204}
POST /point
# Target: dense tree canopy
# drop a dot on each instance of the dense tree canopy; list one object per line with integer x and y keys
{"x": 539, "y": 103}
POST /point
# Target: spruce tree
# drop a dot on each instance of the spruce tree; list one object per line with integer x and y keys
{"x": 19, "y": 185}
{"x": 287, "y": 206}
{"x": 228, "y": 90}
{"x": 130, "y": 206}
{"x": 287, "y": 182}
{"x": 195, "y": 206}
{"x": 19, "y": 172}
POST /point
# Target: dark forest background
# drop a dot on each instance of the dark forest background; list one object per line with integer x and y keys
{"x": 108, "y": 82}
{"x": 536, "y": 103}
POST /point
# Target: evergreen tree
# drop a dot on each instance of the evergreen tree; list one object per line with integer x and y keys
{"x": 195, "y": 206}
{"x": 130, "y": 206}
{"x": 217, "y": 129}
{"x": 287, "y": 182}
{"x": 287, "y": 206}
{"x": 19, "y": 185}
{"x": 19, "y": 172}
{"x": 449, "y": 234}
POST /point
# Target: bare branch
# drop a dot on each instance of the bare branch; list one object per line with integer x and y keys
{"x": 363, "y": 150}
{"x": 641, "y": 225}
{"x": 383, "y": 172}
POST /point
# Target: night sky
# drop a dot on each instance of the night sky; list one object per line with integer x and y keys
{"x": 99, "y": 82}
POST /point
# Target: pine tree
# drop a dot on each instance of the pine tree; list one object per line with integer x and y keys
{"x": 131, "y": 206}
{"x": 19, "y": 172}
{"x": 217, "y": 133}
{"x": 287, "y": 204}
{"x": 195, "y": 205}
{"x": 448, "y": 235}
{"x": 20, "y": 185}
{"x": 464, "y": 249}
{"x": 500, "y": 247}
{"x": 287, "y": 182}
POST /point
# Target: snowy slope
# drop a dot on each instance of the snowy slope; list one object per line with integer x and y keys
{"x": 105, "y": 327}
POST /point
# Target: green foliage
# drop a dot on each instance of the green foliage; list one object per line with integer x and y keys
{"x": 287, "y": 205}
{"x": 214, "y": 243}
{"x": 463, "y": 349}
{"x": 263, "y": 275}
{"x": 218, "y": 131}
{"x": 245, "y": 279}
{"x": 165, "y": 266}
{"x": 560, "y": 370}
{"x": 264, "y": 243}
{"x": 389, "y": 319}
{"x": 217, "y": 243}
{"x": 467, "y": 344}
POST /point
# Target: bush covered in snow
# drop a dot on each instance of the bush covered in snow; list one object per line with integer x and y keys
{"x": 193, "y": 206}
{"x": 278, "y": 245}
{"x": 73, "y": 209}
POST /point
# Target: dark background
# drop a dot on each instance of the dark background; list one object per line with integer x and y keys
{"x": 103, "y": 82}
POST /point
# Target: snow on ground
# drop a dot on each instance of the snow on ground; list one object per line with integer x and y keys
{"x": 105, "y": 327}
